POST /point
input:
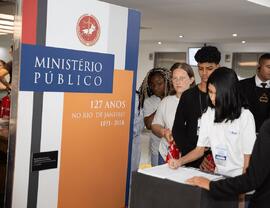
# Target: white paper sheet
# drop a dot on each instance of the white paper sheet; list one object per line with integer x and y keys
{"x": 161, "y": 171}
{"x": 179, "y": 175}
{"x": 183, "y": 174}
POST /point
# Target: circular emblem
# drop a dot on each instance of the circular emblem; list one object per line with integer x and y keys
{"x": 88, "y": 29}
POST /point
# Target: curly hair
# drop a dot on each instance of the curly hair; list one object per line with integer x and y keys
{"x": 145, "y": 89}
{"x": 208, "y": 54}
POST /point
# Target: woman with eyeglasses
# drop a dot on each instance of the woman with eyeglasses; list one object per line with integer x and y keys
{"x": 182, "y": 77}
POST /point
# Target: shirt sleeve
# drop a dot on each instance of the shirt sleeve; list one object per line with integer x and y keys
{"x": 257, "y": 172}
{"x": 203, "y": 140}
{"x": 248, "y": 132}
{"x": 159, "y": 116}
{"x": 138, "y": 118}
{"x": 148, "y": 107}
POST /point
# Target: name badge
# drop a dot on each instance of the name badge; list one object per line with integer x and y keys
{"x": 221, "y": 156}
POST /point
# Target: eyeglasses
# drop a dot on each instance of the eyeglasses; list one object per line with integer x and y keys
{"x": 178, "y": 79}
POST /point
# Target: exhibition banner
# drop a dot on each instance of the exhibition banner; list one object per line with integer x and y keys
{"x": 77, "y": 77}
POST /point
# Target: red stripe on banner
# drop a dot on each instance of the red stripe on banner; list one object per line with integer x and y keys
{"x": 29, "y": 21}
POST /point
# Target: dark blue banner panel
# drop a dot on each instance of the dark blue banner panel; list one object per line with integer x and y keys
{"x": 48, "y": 69}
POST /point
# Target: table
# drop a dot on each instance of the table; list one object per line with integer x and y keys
{"x": 152, "y": 192}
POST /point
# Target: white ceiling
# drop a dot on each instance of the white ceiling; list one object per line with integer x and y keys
{"x": 201, "y": 21}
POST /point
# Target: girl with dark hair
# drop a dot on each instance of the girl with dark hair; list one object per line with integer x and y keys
{"x": 146, "y": 90}
{"x": 182, "y": 77}
{"x": 226, "y": 126}
{"x": 155, "y": 86}
{"x": 257, "y": 176}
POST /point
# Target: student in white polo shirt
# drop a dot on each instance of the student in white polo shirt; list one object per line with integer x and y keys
{"x": 226, "y": 126}
{"x": 257, "y": 176}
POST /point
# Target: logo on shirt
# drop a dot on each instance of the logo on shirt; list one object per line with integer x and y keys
{"x": 233, "y": 132}
{"x": 264, "y": 98}
{"x": 88, "y": 29}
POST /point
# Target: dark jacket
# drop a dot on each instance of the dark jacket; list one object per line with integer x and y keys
{"x": 257, "y": 176}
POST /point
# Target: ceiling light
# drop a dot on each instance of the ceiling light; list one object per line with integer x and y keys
{"x": 6, "y": 22}
{"x": 248, "y": 63}
{"x": 7, "y": 17}
{"x": 265, "y": 3}
{"x": 181, "y": 36}
{"x": 234, "y": 34}
{"x": 243, "y": 41}
{"x": 159, "y": 43}
{"x": 5, "y": 27}
{"x": 5, "y": 31}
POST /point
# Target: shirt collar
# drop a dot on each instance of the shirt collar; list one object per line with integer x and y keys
{"x": 258, "y": 82}
{"x": 156, "y": 97}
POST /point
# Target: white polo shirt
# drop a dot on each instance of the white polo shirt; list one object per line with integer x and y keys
{"x": 150, "y": 105}
{"x": 165, "y": 117}
{"x": 229, "y": 141}
{"x": 166, "y": 111}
